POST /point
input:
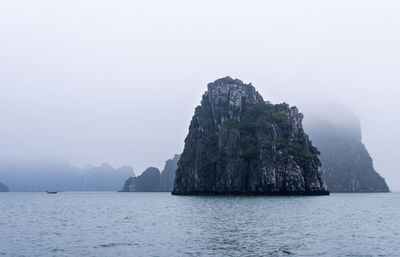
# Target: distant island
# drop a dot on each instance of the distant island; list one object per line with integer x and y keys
{"x": 3, "y": 188}
{"x": 45, "y": 175}
{"x": 152, "y": 180}
{"x": 240, "y": 144}
{"x": 346, "y": 163}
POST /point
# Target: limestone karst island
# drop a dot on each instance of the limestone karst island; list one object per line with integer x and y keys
{"x": 240, "y": 144}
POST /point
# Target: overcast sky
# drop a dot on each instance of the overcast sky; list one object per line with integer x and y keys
{"x": 117, "y": 81}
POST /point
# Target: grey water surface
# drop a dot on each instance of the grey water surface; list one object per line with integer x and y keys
{"x": 159, "y": 224}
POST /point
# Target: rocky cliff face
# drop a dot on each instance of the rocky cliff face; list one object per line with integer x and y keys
{"x": 168, "y": 174}
{"x": 239, "y": 144}
{"x": 3, "y": 188}
{"x": 346, "y": 163}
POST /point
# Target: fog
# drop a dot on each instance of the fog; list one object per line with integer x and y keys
{"x": 117, "y": 81}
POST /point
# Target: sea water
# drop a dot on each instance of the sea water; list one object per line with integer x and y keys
{"x": 159, "y": 224}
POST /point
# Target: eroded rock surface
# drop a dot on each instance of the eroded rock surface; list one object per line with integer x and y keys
{"x": 240, "y": 144}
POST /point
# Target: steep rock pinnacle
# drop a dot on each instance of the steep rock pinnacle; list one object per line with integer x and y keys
{"x": 239, "y": 144}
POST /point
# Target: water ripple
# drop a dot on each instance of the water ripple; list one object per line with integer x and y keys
{"x": 159, "y": 224}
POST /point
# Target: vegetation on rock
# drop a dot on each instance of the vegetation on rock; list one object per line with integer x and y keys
{"x": 239, "y": 144}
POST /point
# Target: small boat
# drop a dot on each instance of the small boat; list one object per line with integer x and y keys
{"x": 52, "y": 192}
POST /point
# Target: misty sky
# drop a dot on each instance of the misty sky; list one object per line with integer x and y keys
{"x": 95, "y": 81}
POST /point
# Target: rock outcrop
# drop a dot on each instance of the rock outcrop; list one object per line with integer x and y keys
{"x": 4, "y": 188}
{"x": 151, "y": 180}
{"x": 346, "y": 163}
{"x": 240, "y": 144}
{"x": 168, "y": 174}
{"x": 148, "y": 181}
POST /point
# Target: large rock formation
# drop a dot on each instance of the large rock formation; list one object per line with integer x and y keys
{"x": 3, "y": 188}
{"x": 148, "y": 181}
{"x": 239, "y": 144}
{"x": 151, "y": 180}
{"x": 346, "y": 163}
{"x": 168, "y": 174}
